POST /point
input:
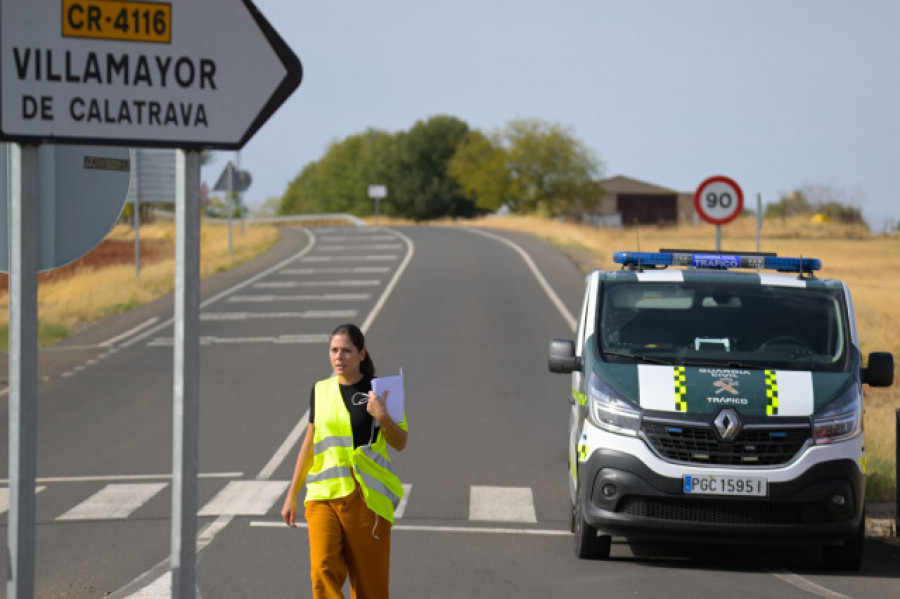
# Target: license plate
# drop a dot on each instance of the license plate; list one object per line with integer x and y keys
{"x": 742, "y": 486}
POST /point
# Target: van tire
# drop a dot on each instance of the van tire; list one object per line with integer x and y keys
{"x": 849, "y": 554}
{"x": 589, "y": 543}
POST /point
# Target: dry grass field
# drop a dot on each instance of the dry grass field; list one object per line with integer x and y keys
{"x": 869, "y": 264}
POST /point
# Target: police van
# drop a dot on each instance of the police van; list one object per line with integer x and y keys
{"x": 717, "y": 398}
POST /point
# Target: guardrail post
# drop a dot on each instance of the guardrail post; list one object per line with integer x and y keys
{"x": 897, "y": 475}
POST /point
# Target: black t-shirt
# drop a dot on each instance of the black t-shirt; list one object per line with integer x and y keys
{"x": 355, "y": 399}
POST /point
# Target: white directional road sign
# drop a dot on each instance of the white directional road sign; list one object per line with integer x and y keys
{"x": 719, "y": 200}
{"x": 185, "y": 74}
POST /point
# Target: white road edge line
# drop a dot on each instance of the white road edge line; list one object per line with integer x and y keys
{"x": 458, "y": 529}
{"x": 153, "y": 583}
{"x": 123, "y": 477}
{"x": 806, "y": 585}
{"x": 147, "y": 323}
{"x": 390, "y": 286}
{"x": 564, "y": 312}
{"x": 284, "y": 450}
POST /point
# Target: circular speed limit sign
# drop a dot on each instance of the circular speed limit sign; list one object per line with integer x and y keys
{"x": 719, "y": 200}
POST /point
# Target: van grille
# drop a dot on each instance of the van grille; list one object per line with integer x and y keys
{"x": 722, "y": 511}
{"x": 698, "y": 444}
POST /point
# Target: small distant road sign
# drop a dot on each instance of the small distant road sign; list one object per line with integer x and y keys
{"x": 377, "y": 191}
{"x": 233, "y": 179}
{"x": 183, "y": 74}
{"x": 719, "y": 200}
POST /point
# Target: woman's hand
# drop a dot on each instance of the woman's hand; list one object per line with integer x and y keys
{"x": 301, "y": 468}
{"x": 377, "y": 406}
{"x": 289, "y": 511}
{"x": 392, "y": 432}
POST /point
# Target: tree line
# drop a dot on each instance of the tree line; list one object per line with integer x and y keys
{"x": 441, "y": 167}
{"x": 816, "y": 199}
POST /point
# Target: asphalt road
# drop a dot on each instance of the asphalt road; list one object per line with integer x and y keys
{"x": 467, "y": 315}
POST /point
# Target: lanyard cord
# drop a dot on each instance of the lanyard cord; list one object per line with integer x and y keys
{"x": 372, "y": 434}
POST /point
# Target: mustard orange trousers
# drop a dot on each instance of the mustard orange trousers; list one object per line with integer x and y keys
{"x": 345, "y": 536}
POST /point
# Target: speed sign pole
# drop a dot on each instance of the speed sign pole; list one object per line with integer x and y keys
{"x": 719, "y": 200}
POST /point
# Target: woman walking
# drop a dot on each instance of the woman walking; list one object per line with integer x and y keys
{"x": 351, "y": 492}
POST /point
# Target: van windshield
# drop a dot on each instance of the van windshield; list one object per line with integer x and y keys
{"x": 705, "y": 323}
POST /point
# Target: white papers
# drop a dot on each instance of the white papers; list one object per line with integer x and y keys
{"x": 395, "y": 399}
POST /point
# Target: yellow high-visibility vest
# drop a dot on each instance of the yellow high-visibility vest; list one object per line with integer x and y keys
{"x": 336, "y": 463}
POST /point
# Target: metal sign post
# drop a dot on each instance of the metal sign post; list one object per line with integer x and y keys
{"x": 137, "y": 215}
{"x": 186, "y": 373}
{"x": 229, "y": 206}
{"x": 231, "y": 181}
{"x": 23, "y": 269}
{"x": 377, "y": 193}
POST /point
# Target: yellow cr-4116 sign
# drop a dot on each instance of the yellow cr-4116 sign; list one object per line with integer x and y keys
{"x": 115, "y": 20}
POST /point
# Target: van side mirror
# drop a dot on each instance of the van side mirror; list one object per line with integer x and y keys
{"x": 562, "y": 356}
{"x": 880, "y": 371}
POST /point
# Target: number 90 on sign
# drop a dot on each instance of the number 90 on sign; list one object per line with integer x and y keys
{"x": 122, "y": 21}
{"x": 719, "y": 200}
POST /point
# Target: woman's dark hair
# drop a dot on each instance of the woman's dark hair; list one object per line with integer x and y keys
{"x": 367, "y": 366}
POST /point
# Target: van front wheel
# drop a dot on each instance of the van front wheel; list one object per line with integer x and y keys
{"x": 589, "y": 543}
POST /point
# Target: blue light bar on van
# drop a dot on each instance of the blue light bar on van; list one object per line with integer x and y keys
{"x": 716, "y": 260}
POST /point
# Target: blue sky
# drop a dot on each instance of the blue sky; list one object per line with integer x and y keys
{"x": 776, "y": 94}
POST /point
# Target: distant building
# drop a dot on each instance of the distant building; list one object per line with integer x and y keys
{"x": 628, "y": 201}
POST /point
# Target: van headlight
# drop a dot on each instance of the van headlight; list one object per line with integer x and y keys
{"x": 608, "y": 410}
{"x": 840, "y": 420}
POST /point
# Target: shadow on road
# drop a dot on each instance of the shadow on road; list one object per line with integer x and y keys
{"x": 882, "y": 559}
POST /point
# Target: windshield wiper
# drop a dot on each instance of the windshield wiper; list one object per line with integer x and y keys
{"x": 719, "y": 364}
{"x": 638, "y": 357}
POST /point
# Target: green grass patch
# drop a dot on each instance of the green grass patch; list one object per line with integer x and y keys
{"x": 121, "y": 307}
{"x": 48, "y": 333}
{"x": 880, "y": 483}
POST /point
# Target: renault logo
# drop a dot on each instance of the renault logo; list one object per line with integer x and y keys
{"x": 728, "y": 424}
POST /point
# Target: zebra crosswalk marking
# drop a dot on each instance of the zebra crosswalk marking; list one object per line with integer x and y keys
{"x": 4, "y": 497}
{"x": 307, "y": 284}
{"x": 401, "y": 507}
{"x": 114, "y": 501}
{"x": 366, "y": 258}
{"x": 245, "y": 498}
{"x": 336, "y": 270}
{"x": 501, "y": 504}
